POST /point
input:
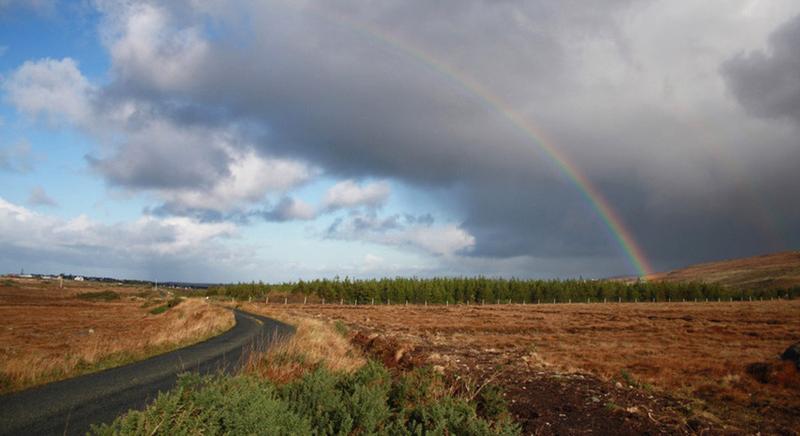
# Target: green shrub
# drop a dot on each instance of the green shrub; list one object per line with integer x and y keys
{"x": 491, "y": 403}
{"x": 222, "y": 405}
{"x": 99, "y": 296}
{"x": 341, "y": 327}
{"x": 167, "y": 306}
{"x": 159, "y": 310}
{"x": 368, "y": 401}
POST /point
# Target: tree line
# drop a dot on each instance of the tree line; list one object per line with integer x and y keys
{"x": 483, "y": 290}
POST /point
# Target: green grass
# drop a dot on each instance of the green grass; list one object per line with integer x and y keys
{"x": 99, "y": 296}
{"x": 369, "y": 401}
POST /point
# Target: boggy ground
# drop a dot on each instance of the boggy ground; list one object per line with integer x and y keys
{"x": 48, "y": 333}
{"x": 654, "y": 368}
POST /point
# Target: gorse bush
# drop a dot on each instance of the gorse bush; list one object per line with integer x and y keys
{"x": 368, "y": 401}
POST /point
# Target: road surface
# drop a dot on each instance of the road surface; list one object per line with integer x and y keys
{"x": 71, "y": 406}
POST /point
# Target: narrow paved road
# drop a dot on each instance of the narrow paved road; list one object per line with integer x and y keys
{"x": 71, "y": 406}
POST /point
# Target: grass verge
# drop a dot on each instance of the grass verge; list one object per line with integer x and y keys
{"x": 191, "y": 322}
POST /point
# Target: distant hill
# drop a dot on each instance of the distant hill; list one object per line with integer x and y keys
{"x": 770, "y": 271}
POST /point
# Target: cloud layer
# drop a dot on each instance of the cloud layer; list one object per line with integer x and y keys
{"x": 224, "y": 109}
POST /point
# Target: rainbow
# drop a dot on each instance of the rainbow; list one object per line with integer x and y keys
{"x": 622, "y": 235}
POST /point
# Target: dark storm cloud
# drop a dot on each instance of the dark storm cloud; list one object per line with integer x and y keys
{"x": 768, "y": 84}
{"x": 327, "y": 84}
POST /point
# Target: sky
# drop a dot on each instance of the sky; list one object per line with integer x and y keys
{"x": 274, "y": 140}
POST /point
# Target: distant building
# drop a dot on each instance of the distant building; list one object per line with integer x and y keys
{"x": 78, "y": 279}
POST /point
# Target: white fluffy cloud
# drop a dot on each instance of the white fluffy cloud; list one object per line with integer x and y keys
{"x": 249, "y": 179}
{"x": 348, "y": 194}
{"x": 50, "y": 87}
{"x": 404, "y": 231}
{"x": 440, "y": 240}
{"x": 145, "y": 43}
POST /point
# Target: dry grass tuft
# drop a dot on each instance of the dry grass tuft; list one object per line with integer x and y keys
{"x": 316, "y": 343}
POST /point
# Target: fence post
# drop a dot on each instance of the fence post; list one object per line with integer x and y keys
{"x": 285, "y": 300}
{"x": 267, "y": 302}
{"x": 305, "y": 299}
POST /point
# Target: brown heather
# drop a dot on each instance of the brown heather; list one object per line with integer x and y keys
{"x": 695, "y": 355}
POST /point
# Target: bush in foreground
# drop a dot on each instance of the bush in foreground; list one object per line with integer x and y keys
{"x": 368, "y": 401}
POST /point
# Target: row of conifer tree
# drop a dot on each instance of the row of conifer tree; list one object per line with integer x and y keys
{"x": 483, "y": 290}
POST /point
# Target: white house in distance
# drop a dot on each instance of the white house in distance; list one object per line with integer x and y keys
{"x": 78, "y": 279}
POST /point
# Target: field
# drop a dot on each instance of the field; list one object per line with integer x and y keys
{"x": 574, "y": 368}
{"x": 50, "y": 333}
